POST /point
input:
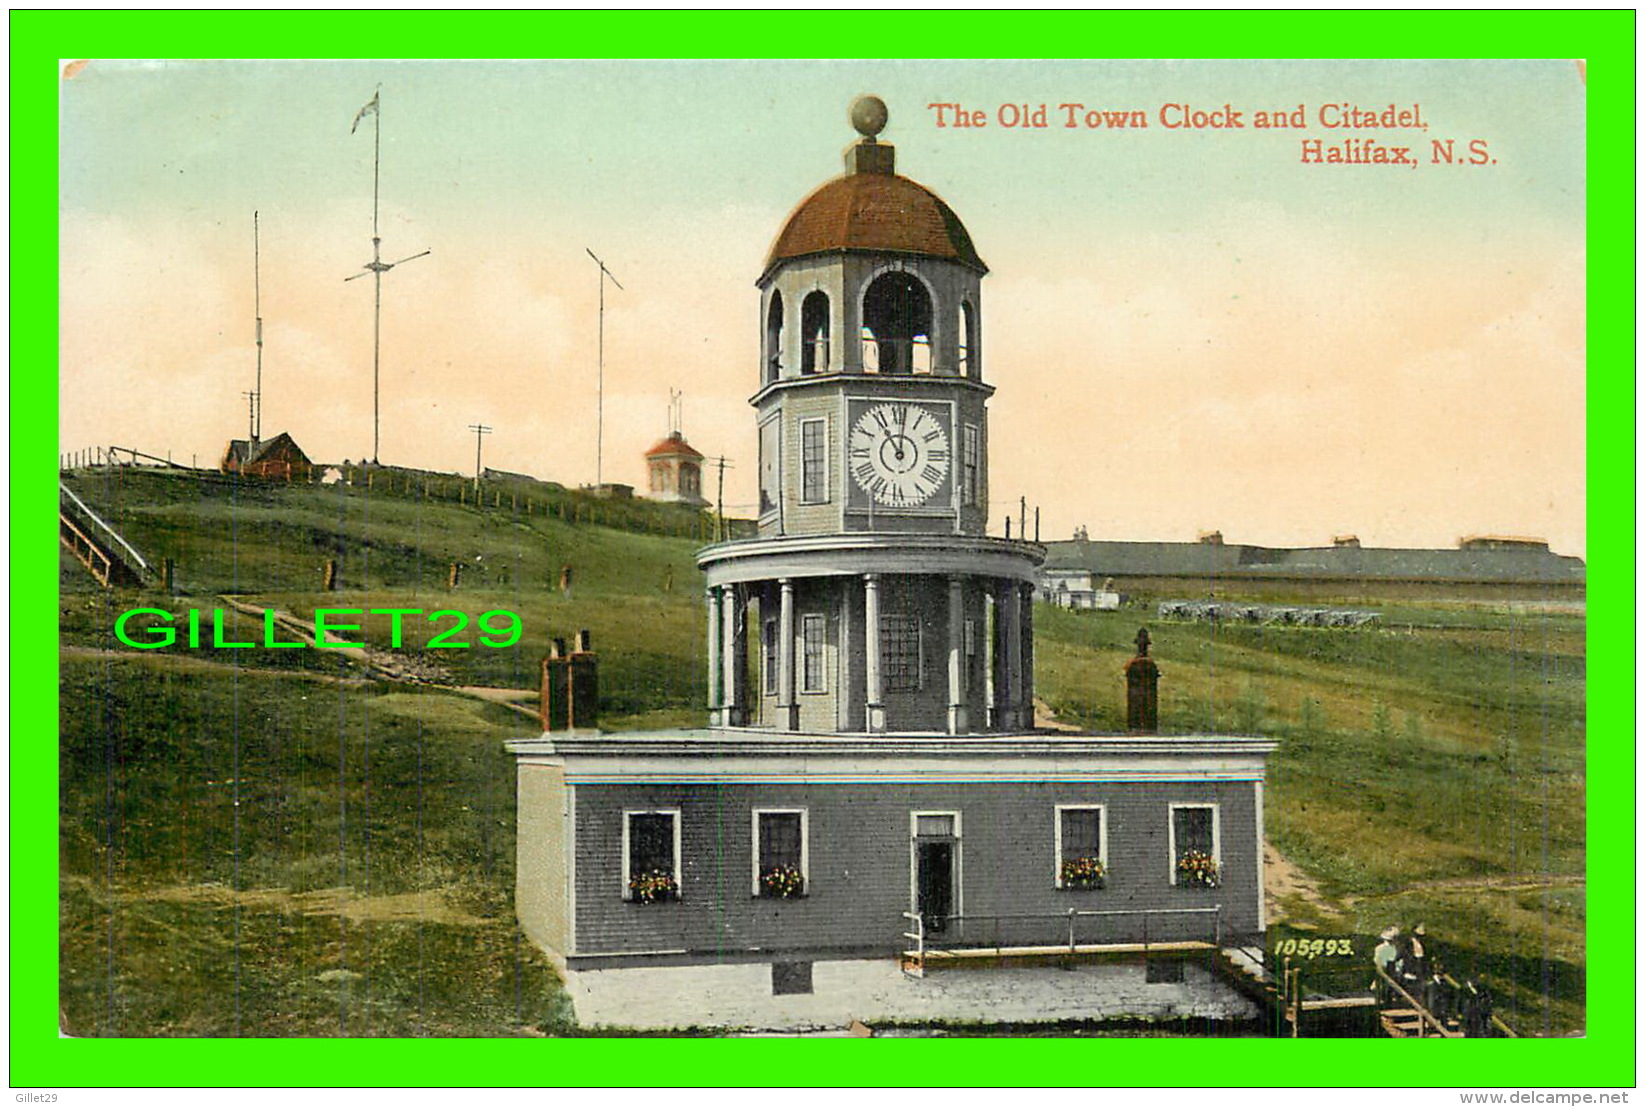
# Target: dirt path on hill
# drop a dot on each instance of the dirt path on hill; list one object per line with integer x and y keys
{"x": 345, "y": 902}
{"x": 1509, "y": 882}
{"x": 400, "y": 667}
{"x": 1281, "y": 879}
{"x": 523, "y": 700}
{"x": 186, "y": 663}
{"x": 1046, "y": 719}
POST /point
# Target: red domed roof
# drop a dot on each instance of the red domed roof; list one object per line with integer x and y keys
{"x": 875, "y": 211}
{"x": 674, "y": 445}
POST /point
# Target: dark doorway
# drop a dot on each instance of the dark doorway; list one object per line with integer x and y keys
{"x": 935, "y": 861}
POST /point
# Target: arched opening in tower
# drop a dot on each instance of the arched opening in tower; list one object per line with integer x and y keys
{"x": 896, "y": 315}
{"x": 814, "y": 333}
{"x": 970, "y": 363}
{"x": 774, "y": 338}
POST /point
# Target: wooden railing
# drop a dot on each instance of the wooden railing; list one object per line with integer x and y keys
{"x": 922, "y": 936}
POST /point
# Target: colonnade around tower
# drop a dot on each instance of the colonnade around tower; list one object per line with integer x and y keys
{"x": 1009, "y": 665}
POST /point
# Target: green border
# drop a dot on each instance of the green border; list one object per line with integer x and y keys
{"x": 1605, "y": 1058}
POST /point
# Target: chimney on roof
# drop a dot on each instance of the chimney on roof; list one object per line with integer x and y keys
{"x": 571, "y": 691}
{"x": 868, "y": 154}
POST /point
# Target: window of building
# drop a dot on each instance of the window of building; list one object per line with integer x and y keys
{"x": 970, "y": 654}
{"x": 691, "y": 480}
{"x": 811, "y": 636}
{"x": 770, "y": 464}
{"x": 781, "y": 856}
{"x": 969, "y": 361}
{"x": 814, "y": 461}
{"x": 900, "y": 653}
{"x": 972, "y": 463}
{"x": 1196, "y": 849}
{"x": 651, "y": 855}
{"x": 768, "y": 653}
{"x": 1082, "y": 847}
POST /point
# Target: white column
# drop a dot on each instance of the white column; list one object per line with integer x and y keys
{"x": 1011, "y": 631}
{"x": 875, "y": 709}
{"x": 787, "y": 704}
{"x": 991, "y": 655}
{"x": 957, "y": 721}
{"x": 1027, "y": 599}
{"x": 712, "y": 596}
{"x": 730, "y": 647}
{"x": 1262, "y": 850}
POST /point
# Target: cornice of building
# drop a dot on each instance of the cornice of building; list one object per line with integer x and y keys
{"x": 861, "y": 553}
{"x": 812, "y": 753}
{"x": 903, "y": 385}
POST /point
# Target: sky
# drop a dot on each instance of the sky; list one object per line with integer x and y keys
{"x": 1189, "y": 328}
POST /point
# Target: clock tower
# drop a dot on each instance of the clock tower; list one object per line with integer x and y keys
{"x": 872, "y": 599}
{"x": 870, "y": 784}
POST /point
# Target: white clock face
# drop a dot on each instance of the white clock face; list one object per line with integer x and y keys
{"x": 899, "y": 454}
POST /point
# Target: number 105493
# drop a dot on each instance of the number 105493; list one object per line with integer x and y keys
{"x": 1314, "y": 947}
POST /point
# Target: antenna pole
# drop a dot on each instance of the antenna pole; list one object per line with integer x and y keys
{"x": 599, "y": 417}
{"x": 251, "y": 415}
{"x": 599, "y": 402}
{"x": 480, "y": 431}
{"x": 377, "y": 275}
{"x": 719, "y": 506}
{"x": 257, "y": 296}
{"x": 719, "y": 498}
{"x": 377, "y": 267}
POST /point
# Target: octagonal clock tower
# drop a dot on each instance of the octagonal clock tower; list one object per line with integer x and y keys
{"x": 872, "y": 599}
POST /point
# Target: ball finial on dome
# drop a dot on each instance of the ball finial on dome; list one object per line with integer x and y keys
{"x": 868, "y": 115}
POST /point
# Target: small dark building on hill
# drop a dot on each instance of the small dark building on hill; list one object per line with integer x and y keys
{"x": 277, "y": 458}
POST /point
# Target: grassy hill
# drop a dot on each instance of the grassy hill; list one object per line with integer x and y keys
{"x": 266, "y": 842}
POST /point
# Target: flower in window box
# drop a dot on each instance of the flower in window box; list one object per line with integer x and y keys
{"x": 1083, "y": 872}
{"x": 653, "y": 887}
{"x": 1197, "y": 869}
{"x": 782, "y": 882}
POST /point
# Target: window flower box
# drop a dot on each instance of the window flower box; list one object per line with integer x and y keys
{"x": 1084, "y": 872}
{"x": 782, "y": 882}
{"x": 1197, "y": 869}
{"x": 655, "y": 886}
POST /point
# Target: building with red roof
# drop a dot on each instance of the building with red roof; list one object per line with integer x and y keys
{"x": 676, "y": 472}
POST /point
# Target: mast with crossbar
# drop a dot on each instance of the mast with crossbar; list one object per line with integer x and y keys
{"x": 376, "y": 266}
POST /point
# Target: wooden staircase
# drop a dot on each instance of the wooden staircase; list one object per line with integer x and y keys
{"x": 94, "y": 543}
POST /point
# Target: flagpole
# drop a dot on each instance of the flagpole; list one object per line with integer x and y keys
{"x": 377, "y": 276}
{"x": 257, "y": 298}
{"x": 377, "y": 266}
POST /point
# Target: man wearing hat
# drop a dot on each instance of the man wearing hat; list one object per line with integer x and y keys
{"x": 1413, "y": 959}
{"x": 1384, "y": 957}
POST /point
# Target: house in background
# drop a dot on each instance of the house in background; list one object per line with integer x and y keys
{"x": 277, "y": 458}
{"x": 872, "y": 791}
{"x": 675, "y": 472}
